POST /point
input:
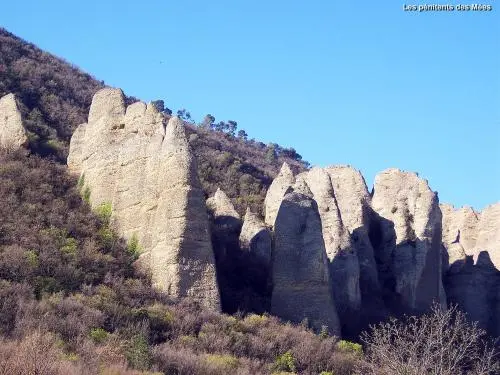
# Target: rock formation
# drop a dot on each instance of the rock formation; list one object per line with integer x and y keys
{"x": 407, "y": 240}
{"x": 221, "y": 205}
{"x": 226, "y": 224}
{"x": 255, "y": 237}
{"x": 342, "y": 256}
{"x": 301, "y": 282}
{"x": 474, "y": 286}
{"x": 276, "y": 192}
{"x": 472, "y": 280}
{"x": 488, "y": 233}
{"x": 12, "y": 132}
{"x": 459, "y": 232}
{"x": 127, "y": 159}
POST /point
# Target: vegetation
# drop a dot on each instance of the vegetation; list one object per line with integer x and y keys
{"x": 72, "y": 301}
{"x": 441, "y": 342}
{"x": 55, "y": 98}
{"x": 69, "y": 294}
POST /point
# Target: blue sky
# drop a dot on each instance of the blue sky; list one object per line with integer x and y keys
{"x": 361, "y": 83}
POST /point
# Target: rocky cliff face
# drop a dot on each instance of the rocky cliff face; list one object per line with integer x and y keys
{"x": 145, "y": 171}
{"x": 301, "y": 280}
{"x": 384, "y": 253}
{"x": 409, "y": 240}
{"x": 472, "y": 279}
{"x": 327, "y": 249}
{"x": 276, "y": 192}
{"x": 12, "y": 132}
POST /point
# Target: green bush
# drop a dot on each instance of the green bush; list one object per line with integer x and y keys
{"x": 103, "y": 211}
{"x": 352, "y": 347}
{"x": 133, "y": 247}
{"x": 98, "y": 335}
{"x": 70, "y": 246}
{"x": 138, "y": 352}
{"x": 223, "y": 363}
{"x": 32, "y": 258}
{"x": 285, "y": 362}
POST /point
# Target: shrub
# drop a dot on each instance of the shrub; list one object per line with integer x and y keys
{"x": 351, "y": 347}
{"x": 104, "y": 211}
{"x": 222, "y": 363}
{"x": 138, "y": 352}
{"x": 98, "y": 335}
{"x": 86, "y": 195}
{"x": 133, "y": 247}
{"x": 440, "y": 342}
{"x": 285, "y": 362}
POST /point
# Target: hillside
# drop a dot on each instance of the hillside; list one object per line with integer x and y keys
{"x": 112, "y": 260}
{"x": 69, "y": 293}
{"x": 56, "y": 97}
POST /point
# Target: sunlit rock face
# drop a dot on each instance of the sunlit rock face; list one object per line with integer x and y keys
{"x": 128, "y": 158}
{"x": 12, "y": 132}
{"x": 407, "y": 240}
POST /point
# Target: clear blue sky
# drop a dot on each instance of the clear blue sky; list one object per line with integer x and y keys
{"x": 352, "y": 82}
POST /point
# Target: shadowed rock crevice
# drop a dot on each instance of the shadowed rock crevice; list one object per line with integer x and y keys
{"x": 242, "y": 271}
{"x": 474, "y": 287}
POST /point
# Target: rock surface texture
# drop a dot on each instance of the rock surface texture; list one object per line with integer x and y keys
{"x": 407, "y": 241}
{"x": 12, "y": 132}
{"x": 276, "y": 192}
{"x": 488, "y": 233}
{"x": 472, "y": 280}
{"x": 127, "y": 158}
{"x": 301, "y": 281}
{"x": 459, "y": 232}
{"x": 256, "y": 238}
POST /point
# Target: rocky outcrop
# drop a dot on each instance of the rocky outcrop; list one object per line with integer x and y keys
{"x": 301, "y": 282}
{"x": 146, "y": 172}
{"x": 226, "y": 224}
{"x": 255, "y": 237}
{"x": 407, "y": 240}
{"x": 276, "y": 192}
{"x": 459, "y": 232}
{"x": 12, "y": 132}
{"x": 221, "y": 205}
{"x": 342, "y": 256}
{"x": 488, "y": 233}
{"x": 472, "y": 280}
{"x": 474, "y": 286}
{"x": 354, "y": 204}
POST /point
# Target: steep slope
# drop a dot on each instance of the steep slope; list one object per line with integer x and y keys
{"x": 55, "y": 98}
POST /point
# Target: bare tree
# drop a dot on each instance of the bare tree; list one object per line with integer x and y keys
{"x": 441, "y": 342}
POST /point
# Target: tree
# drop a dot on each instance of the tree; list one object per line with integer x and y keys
{"x": 220, "y": 126}
{"x": 231, "y": 127}
{"x": 183, "y": 114}
{"x": 441, "y": 342}
{"x": 208, "y": 122}
{"x": 159, "y": 104}
{"x": 242, "y": 134}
